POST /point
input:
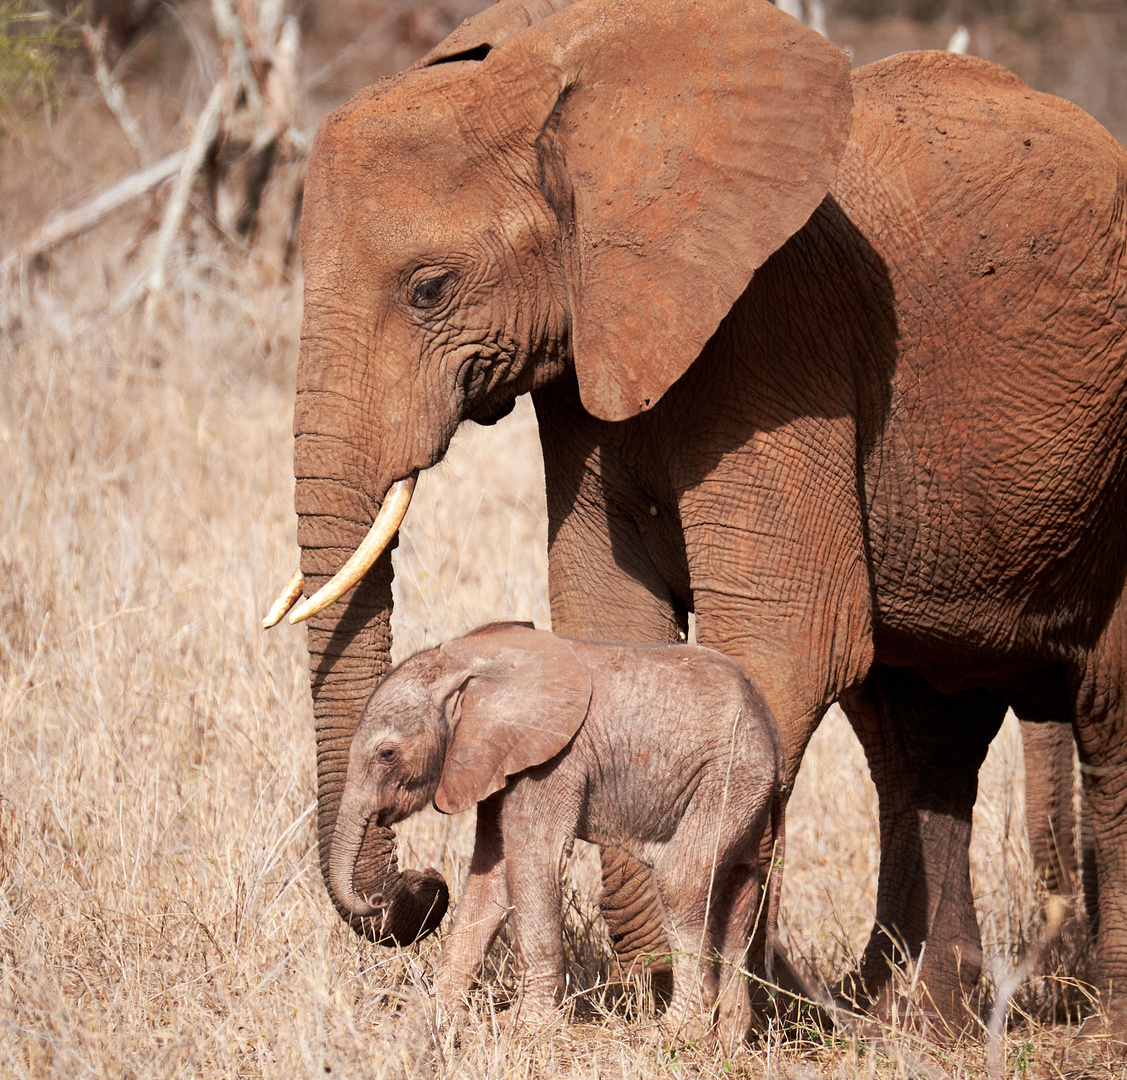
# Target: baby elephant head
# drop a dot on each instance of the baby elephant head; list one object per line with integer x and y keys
{"x": 450, "y": 725}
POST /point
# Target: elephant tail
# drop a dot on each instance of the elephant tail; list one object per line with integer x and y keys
{"x": 775, "y": 877}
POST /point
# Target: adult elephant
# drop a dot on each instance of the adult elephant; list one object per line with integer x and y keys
{"x": 836, "y": 362}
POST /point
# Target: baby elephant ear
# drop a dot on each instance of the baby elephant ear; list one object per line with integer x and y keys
{"x": 525, "y": 695}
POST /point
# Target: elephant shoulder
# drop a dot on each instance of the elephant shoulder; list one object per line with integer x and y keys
{"x": 948, "y": 101}
{"x": 947, "y": 144}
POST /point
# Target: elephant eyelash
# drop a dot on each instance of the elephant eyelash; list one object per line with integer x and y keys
{"x": 387, "y": 755}
{"x": 428, "y": 294}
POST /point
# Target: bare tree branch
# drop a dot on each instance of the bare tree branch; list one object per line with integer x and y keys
{"x": 206, "y": 128}
{"x": 95, "y": 42}
{"x": 65, "y": 226}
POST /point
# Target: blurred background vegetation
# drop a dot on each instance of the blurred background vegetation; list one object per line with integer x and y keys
{"x": 59, "y": 138}
{"x": 30, "y": 43}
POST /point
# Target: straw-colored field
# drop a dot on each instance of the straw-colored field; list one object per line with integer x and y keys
{"x": 161, "y": 912}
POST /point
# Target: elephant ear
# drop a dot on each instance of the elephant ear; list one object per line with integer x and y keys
{"x": 480, "y": 33}
{"x": 682, "y": 144}
{"x": 523, "y": 697}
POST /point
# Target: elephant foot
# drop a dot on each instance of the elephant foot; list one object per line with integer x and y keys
{"x": 939, "y": 1001}
{"x": 695, "y": 1033}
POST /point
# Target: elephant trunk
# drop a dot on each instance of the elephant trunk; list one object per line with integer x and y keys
{"x": 348, "y": 837}
{"x": 350, "y": 641}
{"x": 404, "y": 906}
{"x": 349, "y": 652}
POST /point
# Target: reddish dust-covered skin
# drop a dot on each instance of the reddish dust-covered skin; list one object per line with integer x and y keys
{"x": 665, "y": 753}
{"x": 888, "y": 471}
{"x": 1062, "y": 846}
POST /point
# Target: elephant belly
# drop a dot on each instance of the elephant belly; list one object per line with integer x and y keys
{"x": 999, "y": 544}
{"x": 638, "y": 810}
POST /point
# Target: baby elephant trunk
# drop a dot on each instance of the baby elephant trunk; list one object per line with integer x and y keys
{"x": 397, "y": 907}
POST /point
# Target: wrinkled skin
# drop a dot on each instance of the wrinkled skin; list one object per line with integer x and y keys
{"x": 1060, "y": 842}
{"x": 663, "y": 752}
{"x": 836, "y": 362}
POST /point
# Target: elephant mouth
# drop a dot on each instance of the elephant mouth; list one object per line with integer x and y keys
{"x": 383, "y": 530}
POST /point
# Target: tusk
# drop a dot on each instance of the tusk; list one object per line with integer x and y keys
{"x": 371, "y": 547}
{"x": 286, "y": 600}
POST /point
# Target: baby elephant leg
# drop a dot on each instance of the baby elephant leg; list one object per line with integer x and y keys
{"x": 736, "y": 909}
{"x": 479, "y": 917}
{"x": 535, "y": 867}
{"x": 684, "y": 893}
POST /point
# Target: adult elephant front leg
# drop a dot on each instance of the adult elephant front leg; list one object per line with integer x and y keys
{"x": 924, "y": 751}
{"x": 604, "y": 584}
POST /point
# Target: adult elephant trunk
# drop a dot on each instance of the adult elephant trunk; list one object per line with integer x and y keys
{"x": 349, "y": 651}
{"x": 338, "y": 495}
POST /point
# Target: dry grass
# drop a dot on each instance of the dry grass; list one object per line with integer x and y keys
{"x": 160, "y": 908}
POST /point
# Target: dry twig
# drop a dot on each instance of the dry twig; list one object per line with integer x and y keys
{"x": 68, "y": 224}
{"x": 95, "y": 42}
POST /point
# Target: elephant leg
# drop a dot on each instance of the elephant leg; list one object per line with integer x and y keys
{"x": 481, "y": 914}
{"x": 1061, "y": 843}
{"x": 535, "y": 885}
{"x": 632, "y": 911}
{"x": 924, "y": 751}
{"x": 688, "y": 915}
{"x": 1100, "y": 726}
{"x": 1049, "y": 814}
{"x": 1089, "y": 876}
{"x": 735, "y": 913}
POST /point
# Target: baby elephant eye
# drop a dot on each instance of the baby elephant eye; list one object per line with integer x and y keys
{"x": 431, "y": 291}
{"x": 387, "y": 755}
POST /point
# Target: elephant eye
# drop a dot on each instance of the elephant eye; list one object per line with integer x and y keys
{"x": 387, "y": 755}
{"x": 431, "y": 291}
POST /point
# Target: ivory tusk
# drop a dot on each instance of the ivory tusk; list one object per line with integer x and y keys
{"x": 371, "y": 547}
{"x": 286, "y": 600}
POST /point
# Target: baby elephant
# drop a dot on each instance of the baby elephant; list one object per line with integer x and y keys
{"x": 664, "y": 752}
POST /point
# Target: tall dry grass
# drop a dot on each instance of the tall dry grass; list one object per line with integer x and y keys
{"x": 161, "y": 912}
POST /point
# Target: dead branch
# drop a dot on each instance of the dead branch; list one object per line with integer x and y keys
{"x": 71, "y": 223}
{"x": 206, "y": 128}
{"x": 95, "y": 42}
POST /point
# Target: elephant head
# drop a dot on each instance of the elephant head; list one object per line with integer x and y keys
{"x": 582, "y": 197}
{"x": 450, "y": 725}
